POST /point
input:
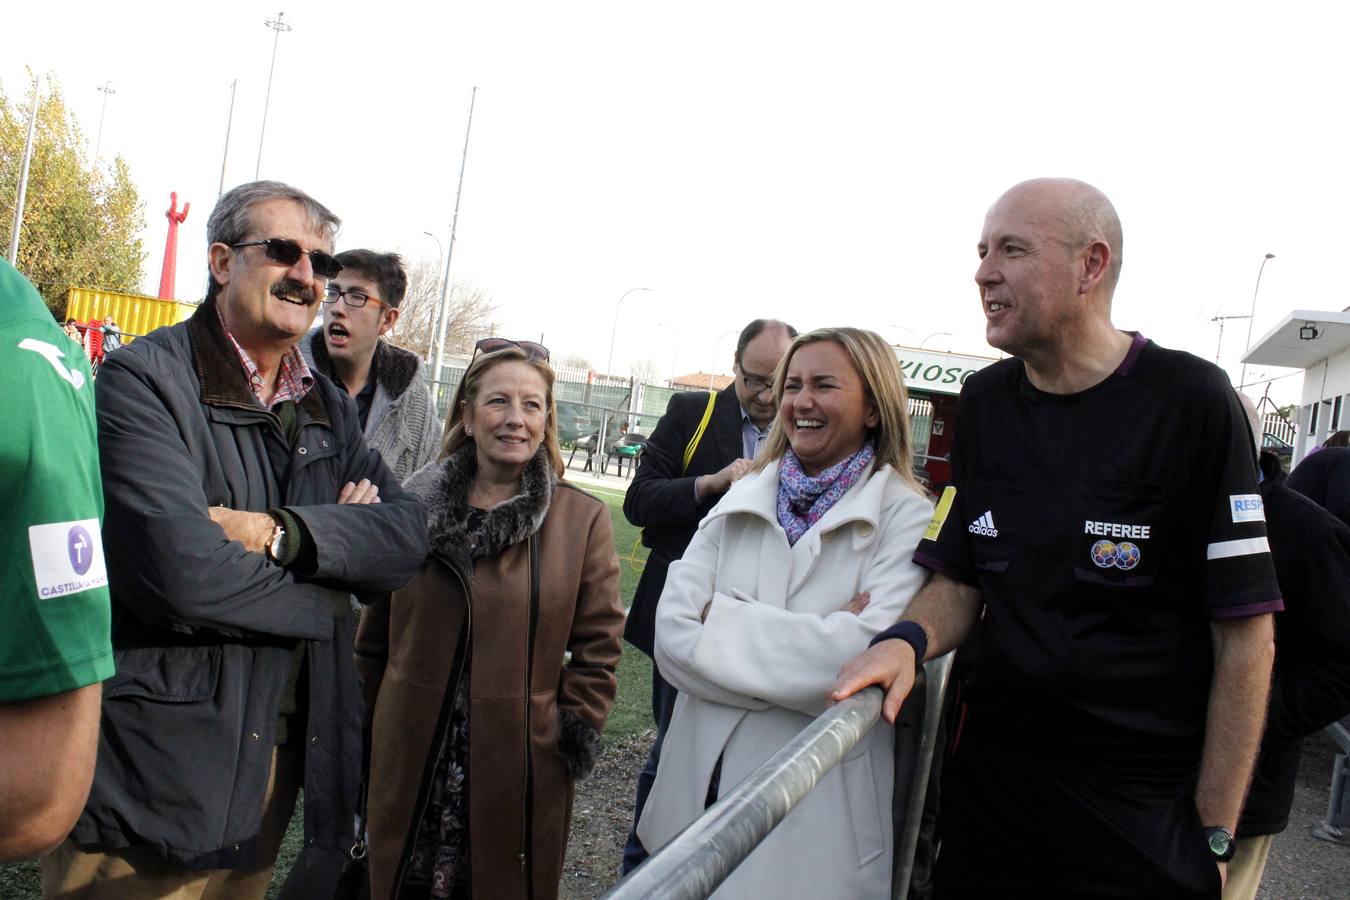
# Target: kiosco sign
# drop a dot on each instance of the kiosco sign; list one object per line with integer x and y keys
{"x": 937, "y": 373}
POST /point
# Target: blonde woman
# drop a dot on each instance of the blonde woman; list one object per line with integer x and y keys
{"x": 800, "y": 565}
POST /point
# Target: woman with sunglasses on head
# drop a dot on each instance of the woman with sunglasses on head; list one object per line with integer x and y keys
{"x": 803, "y": 561}
{"x": 477, "y": 725}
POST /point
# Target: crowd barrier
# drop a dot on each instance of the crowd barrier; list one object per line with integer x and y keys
{"x": 701, "y": 857}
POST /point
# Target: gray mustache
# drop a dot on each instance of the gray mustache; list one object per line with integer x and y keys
{"x": 295, "y": 289}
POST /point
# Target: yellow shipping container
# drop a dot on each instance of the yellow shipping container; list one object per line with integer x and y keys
{"x": 135, "y": 314}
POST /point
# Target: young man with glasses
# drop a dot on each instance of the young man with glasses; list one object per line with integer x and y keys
{"x": 668, "y": 497}
{"x": 360, "y": 306}
{"x": 240, "y": 513}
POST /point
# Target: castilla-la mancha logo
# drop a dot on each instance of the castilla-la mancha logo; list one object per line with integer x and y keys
{"x": 81, "y": 549}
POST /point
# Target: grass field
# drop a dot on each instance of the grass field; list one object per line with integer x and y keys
{"x": 631, "y": 714}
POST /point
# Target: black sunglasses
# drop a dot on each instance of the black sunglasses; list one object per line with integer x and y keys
{"x": 493, "y": 344}
{"x": 288, "y": 253}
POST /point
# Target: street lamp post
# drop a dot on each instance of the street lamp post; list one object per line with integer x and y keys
{"x": 933, "y": 335}
{"x": 615, "y": 330}
{"x": 1242, "y": 379}
{"x": 712, "y": 370}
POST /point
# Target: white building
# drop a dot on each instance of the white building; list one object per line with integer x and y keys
{"x": 1318, "y": 342}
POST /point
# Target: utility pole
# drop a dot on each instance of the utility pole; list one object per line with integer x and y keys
{"x": 454, "y": 221}
{"x": 23, "y": 179}
{"x": 105, "y": 89}
{"x": 225, "y": 154}
{"x": 278, "y": 26}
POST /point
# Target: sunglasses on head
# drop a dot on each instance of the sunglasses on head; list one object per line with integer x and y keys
{"x": 493, "y": 344}
{"x": 288, "y": 253}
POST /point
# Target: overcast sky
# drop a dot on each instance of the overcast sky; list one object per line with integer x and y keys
{"x": 828, "y": 164}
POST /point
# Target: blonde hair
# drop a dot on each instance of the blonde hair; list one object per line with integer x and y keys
{"x": 883, "y": 387}
{"x": 454, "y": 435}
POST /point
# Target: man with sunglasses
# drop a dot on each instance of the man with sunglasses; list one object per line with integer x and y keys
{"x": 360, "y": 306}
{"x": 669, "y": 496}
{"x": 242, "y": 508}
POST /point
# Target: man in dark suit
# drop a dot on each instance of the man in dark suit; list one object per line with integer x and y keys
{"x": 668, "y": 497}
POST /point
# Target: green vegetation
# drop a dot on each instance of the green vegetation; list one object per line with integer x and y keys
{"x": 632, "y": 708}
{"x": 81, "y": 221}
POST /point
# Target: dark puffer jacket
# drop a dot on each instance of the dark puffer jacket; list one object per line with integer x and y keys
{"x": 1311, "y": 685}
{"x": 203, "y": 630}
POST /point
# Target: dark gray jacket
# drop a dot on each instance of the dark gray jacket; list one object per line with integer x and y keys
{"x": 402, "y": 423}
{"x": 203, "y": 630}
{"x": 661, "y": 498}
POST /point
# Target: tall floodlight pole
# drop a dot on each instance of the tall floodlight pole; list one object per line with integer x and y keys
{"x": 225, "y": 154}
{"x": 278, "y": 26}
{"x": 23, "y": 180}
{"x": 1242, "y": 379}
{"x": 454, "y": 222}
{"x": 105, "y": 89}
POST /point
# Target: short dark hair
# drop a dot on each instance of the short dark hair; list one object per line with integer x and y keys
{"x": 385, "y": 269}
{"x": 229, "y": 222}
{"x": 755, "y": 329}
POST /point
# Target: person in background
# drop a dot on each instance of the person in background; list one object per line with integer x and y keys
{"x": 55, "y": 649}
{"x": 804, "y": 560}
{"x": 1311, "y": 685}
{"x": 488, "y": 678}
{"x": 243, "y": 507}
{"x": 112, "y": 335}
{"x": 1324, "y": 478}
{"x": 703, "y": 443}
{"x": 361, "y": 305}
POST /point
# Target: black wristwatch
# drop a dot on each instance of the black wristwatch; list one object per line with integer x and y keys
{"x": 1221, "y": 843}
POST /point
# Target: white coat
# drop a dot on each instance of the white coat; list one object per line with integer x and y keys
{"x": 758, "y": 670}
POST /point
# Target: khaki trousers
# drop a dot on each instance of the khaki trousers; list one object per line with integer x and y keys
{"x": 139, "y": 873}
{"x": 1246, "y": 866}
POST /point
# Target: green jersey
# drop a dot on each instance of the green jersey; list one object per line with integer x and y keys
{"x": 53, "y": 578}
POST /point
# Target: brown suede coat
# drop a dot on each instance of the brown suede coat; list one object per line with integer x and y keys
{"x": 526, "y": 743}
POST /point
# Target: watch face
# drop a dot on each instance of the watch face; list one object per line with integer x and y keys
{"x": 1219, "y": 842}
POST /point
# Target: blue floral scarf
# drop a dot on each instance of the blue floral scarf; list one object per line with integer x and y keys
{"x": 802, "y": 499}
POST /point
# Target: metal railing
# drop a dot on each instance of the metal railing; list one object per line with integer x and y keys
{"x": 700, "y": 858}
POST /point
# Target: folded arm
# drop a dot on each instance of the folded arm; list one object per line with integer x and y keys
{"x": 792, "y": 658}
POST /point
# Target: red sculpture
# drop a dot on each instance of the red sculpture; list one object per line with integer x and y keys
{"x": 168, "y": 276}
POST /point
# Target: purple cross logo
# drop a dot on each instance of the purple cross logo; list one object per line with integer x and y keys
{"x": 81, "y": 549}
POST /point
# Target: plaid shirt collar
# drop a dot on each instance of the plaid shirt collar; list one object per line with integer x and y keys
{"x": 294, "y": 380}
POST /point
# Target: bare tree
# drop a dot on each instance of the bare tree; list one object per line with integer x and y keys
{"x": 646, "y": 371}
{"x": 576, "y": 361}
{"x": 468, "y": 313}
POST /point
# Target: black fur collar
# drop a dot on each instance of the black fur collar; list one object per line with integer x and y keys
{"x": 443, "y": 489}
{"x": 394, "y": 366}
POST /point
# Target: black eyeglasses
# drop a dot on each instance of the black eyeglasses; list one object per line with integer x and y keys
{"x": 288, "y": 253}
{"x": 354, "y": 299}
{"x": 493, "y": 344}
{"x": 756, "y": 384}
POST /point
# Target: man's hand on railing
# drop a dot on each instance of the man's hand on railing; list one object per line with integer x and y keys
{"x": 889, "y": 664}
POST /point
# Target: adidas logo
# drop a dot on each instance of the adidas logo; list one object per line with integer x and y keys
{"x": 984, "y": 525}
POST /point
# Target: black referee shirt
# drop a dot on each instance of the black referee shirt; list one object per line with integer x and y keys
{"x": 1104, "y": 530}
